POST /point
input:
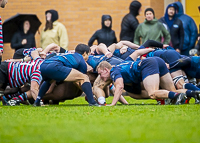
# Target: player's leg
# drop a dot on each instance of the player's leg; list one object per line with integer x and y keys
{"x": 98, "y": 89}
{"x": 63, "y": 91}
{"x": 151, "y": 71}
{"x": 83, "y": 81}
{"x": 142, "y": 95}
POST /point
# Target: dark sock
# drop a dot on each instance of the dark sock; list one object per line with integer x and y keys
{"x": 191, "y": 86}
{"x": 171, "y": 94}
{"x": 87, "y": 89}
{"x": 190, "y": 93}
{"x": 43, "y": 89}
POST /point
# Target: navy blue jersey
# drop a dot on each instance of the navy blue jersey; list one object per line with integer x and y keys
{"x": 94, "y": 61}
{"x": 128, "y": 70}
{"x": 194, "y": 69}
{"x": 168, "y": 56}
{"x": 156, "y": 52}
{"x": 75, "y": 61}
{"x": 125, "y": 55}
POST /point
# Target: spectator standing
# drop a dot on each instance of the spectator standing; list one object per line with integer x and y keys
{"x": 23, "y": 39}
{"x": 2, "y": 4}
{"x": 130, "y": 22}
{"x": 54, "y": 31}
{"x": 174, "y": 26}
{"x": 190, "y": 30}
{"x": 104, "y": 35}
{"x": 151, "y": 29}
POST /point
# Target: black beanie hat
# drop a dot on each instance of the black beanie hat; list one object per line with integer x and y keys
{"x": 149, "y": 9}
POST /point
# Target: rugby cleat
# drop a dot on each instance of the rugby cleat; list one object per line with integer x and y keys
{"x": 36, "y": 104}
{"x": 197, "y": 94}
{"x": 94, "y": 104}
{"x": 179, "y": 99}
{"x": 168, "y": 101}
{"x": 163, "y": 101}
{"x": 104, "y": 104}
{"x": 14, "y": 101}
{"x": 197, "y": 101}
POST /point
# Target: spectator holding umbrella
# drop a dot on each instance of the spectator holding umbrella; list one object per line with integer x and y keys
{"x": 105, "y": 35}
{"x": 54, "y": 31}
{"x": 2, "y": 4}
{"x": 23, "y": 38}
{"x": 174, "y": 26}
{"x": 190, "y": 30}
{"x": 19, "y": 30}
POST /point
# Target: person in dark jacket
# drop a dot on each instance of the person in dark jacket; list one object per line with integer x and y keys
{"x": 174, "y": 26}
{"x": 190, "y": 29}
{"x": 105, "y": 35}
{"x": 23, "y": 38}
{"x": 130, "y": 22}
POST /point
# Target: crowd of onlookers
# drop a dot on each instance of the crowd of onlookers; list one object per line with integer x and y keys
{"x": 174, "y": 28}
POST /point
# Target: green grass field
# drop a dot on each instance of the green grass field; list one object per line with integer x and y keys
{"x": 74, "y": 121}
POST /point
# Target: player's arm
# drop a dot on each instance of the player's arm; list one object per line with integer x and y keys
{"x": 26, "y": 58}
{"x": 119, "y": 86}
{"x": 121, "y": 98}
{"x": 98, "y": 87}
{"x": 52, "y": 47}
{"x": 34, "y": 89}
{"x": 89, "y": 68}
{"x": 102, "y": 48}
{"x": 152, "y": 43}
{"x": 140, "y": 52}
{"x": 14, "y": 60}
{"x": 129, "y": 44}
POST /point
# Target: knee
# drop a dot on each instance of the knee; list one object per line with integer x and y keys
{"x": 84, "y": 78}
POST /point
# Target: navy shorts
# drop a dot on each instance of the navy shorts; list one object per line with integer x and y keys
{"x": 170, "y": 56}
{"x": 153, "y": 65}
{"x": 134, "y": 88}
{"x": 162, "y": 66}
{"x": 54, "y": 70}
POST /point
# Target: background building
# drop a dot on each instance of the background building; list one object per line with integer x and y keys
{"x": 83, "y": 17}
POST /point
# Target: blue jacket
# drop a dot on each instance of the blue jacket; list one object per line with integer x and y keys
{"x": 190, "y": 28}
{"x": 175, "y": 28}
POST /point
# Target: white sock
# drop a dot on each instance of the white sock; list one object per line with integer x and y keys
{"x": 101, "y": 100}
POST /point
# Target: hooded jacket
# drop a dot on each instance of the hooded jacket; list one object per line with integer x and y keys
{"x": 104, "y": 35}
{"x": 130, "y": 22}
{"x": 16, "y": 41}
{"x": 176, "y": 29}
{"x": 151, "y": 30}
{"x": 190, "y": 28}
{"x": 57, "y": 35}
